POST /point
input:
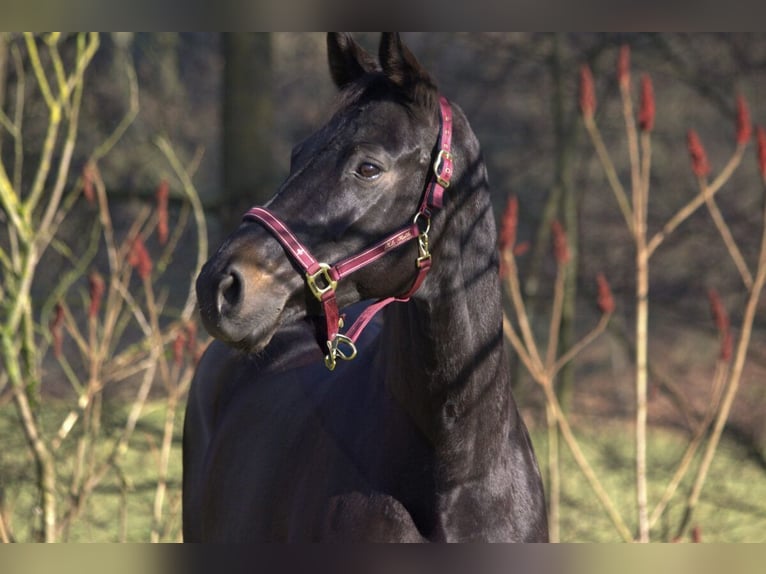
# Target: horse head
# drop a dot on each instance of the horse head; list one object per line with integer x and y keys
{"x": 354, "y": 181}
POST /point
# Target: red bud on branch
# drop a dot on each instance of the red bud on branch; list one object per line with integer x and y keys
{"x": 721, "y": 319}
{"x": 163, "y": 190}
{"x": 700, "y": 165}
{"x": 191, "y": 337}
{"x": 506, "y": 240}
{"x": 179, "y": 344}
{"x": 560, "y": 244}
{"x": 194, "y": 348}
{"x": 587, "y": 92}
{"x": 605, "y": 299}
{"x": 744, "y": 127}
{"x": 95, "y": 292}
{"x": 186, "y": 342}
{"x": 88, "y": 175}
{"x": 646, "y": 111}
{"x": 623, "y": 67}
{"x": 139, "y": 258}
{"x": 520, "y": 248}
{"x": 509, "y": 224}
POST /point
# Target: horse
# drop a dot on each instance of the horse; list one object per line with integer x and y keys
{"x": 403, "y": 427}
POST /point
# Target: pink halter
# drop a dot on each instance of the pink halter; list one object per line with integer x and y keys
{"x": 322, "y": 279}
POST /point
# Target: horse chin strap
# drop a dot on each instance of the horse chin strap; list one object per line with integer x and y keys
{"x": 322, "y": 279}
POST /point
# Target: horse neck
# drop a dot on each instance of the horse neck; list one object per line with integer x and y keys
{"x": 445, "y": 360}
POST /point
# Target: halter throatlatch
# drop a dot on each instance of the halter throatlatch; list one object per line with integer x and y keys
{"x": 322, "y": 279}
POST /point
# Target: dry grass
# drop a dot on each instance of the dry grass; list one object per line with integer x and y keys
{"x": 732, "y": 507}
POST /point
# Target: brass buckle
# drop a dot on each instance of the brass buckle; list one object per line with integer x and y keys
{"x": 443, "y": 154}
{"x": 317, "y": 289}
{"x": 336, "y": 351}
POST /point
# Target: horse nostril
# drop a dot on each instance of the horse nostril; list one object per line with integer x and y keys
{"x": 230, "y": 291}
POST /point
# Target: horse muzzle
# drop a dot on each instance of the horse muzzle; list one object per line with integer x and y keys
{"x": 240, "y": 303}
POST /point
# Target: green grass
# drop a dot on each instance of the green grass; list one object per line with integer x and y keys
{"x": 101, "y": 519}
{"x": 732, "y": 507}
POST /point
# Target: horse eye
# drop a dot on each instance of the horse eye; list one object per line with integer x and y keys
{"x": 367, "y": 170}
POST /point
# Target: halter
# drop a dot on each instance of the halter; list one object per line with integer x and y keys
{"x": 322, "y": 279}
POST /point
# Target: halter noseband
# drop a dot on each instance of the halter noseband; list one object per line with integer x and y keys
{"x": 322, "y": 278}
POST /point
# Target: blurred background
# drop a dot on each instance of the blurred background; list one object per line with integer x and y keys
{"x": 233, "y": 106}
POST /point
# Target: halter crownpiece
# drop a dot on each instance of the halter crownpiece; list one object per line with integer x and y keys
{"x": 322, "y": 279}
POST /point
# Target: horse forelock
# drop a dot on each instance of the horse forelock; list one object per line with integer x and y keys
{"x": 375, "y": 86}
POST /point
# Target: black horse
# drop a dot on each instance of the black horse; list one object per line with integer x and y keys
{"x": 418, "y": 438}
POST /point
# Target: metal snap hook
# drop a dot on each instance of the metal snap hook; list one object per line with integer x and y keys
{"x": 338, "y": 352}
{"x": 424, "y": 252}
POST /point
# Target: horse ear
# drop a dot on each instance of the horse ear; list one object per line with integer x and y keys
{"x": 348, "y": 60}
{"x": 402, "y": 68}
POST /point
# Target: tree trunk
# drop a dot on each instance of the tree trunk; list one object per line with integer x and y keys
{"x": 247, "y": 123}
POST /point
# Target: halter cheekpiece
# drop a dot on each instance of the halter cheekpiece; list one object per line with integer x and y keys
{"x": 322, "y": 279}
